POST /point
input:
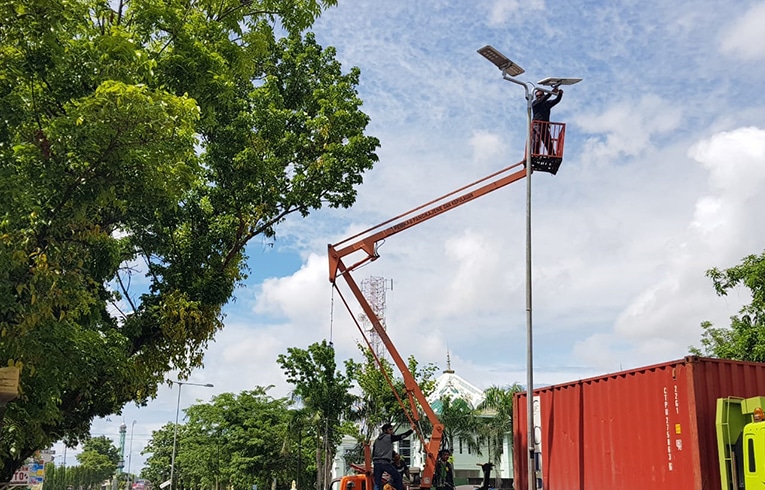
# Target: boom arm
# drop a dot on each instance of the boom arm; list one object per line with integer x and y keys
{"x": 367, "y": 241}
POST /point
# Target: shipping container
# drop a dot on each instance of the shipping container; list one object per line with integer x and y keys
{"x": 647, "y": 428}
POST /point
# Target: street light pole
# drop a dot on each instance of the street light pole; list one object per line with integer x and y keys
{"x": 130, "y": 456}
{"x": 509, "y": 71}
{"x": 175, "y": 432}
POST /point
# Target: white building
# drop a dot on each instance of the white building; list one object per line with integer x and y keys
{"x": 466, "y": 463}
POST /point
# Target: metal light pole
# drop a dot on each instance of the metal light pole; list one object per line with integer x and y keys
{"x": 175, "y": 432}
{"x": 509, "y": 71}
{"x": 130, "y": 456}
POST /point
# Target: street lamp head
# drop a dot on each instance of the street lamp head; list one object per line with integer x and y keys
{"x": 206, "y": 385}
{"x": 500, "y": 60}
{"x": 557, "y": 81}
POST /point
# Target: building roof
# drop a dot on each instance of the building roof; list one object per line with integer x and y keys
{"x": 457, "y": 388}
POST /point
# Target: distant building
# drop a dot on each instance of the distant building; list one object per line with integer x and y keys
{"x": 340, "y": 465}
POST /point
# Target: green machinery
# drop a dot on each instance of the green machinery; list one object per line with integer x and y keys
{"x": 741, "y": 443}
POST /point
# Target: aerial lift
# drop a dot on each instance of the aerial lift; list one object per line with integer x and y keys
{"x": 362, "y": 248}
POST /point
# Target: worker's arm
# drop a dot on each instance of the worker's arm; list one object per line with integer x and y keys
{"x": 398, "y": 437}
{"x": 558, "y": 96}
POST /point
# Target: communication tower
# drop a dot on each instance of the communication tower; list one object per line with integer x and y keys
{"x": 373, "y": 288}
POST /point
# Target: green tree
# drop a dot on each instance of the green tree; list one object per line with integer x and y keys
{"x": 744, "y": 339}
{"x": 495, "y": 421}
{"x": 159, "y": 452}
{"x": 378, "y": 403}
{"x": 99, "y": 459}
{"x": 143, "y": 144}
{"x": 238, "y": 438}
{"x": 325, "y": 393}
{"x": 459, "y": 422}
{"x": 101, "y": 445}
{"x": 233, "y": 441}
{"x": 298, "y": 445}
{"x": 98, "y": 462}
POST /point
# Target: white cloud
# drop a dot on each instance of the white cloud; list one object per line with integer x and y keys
{"x": 474, "y": 258}
{"x": 627, "y": 127}
{"x": 297, "y": 296}
{"x": 665, "y": 316}
{"x": 487, "y": 146}
{"x": 744, "y": 38}
{"x": 503, "y": 10}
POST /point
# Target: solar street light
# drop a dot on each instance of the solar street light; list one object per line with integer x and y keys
{"x": 509, "y": 71}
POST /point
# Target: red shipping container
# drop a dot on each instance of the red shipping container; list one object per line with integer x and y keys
{"x": 646, "y": 428}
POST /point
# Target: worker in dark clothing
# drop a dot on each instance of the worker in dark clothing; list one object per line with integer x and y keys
{"x": 540, "y": 108}
{"x": 486, "y": 467}
{"x": 401, "y": 466}
{"x": 444, "y": 474}
{"x": 382, "y": 457}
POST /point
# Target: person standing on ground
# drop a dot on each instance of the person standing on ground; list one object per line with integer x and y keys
{"x": 444, "y": 474}
{"x": 382, "y": 456}
{"x": 540, "y": 108}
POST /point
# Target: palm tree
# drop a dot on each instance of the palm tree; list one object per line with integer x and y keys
{"x": 496, "y": 419}
{"x": 459, "y": 421}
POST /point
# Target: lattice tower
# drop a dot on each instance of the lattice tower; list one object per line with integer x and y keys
{"x": 373, "y": 289}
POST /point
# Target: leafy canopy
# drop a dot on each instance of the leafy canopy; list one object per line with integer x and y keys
{"x": 324, "y": 392}
{"x": 143, "y": 144}
{"x": 744, "y": 339}
{"x": 378, "y": 403}
{"x": 235, "y": 440}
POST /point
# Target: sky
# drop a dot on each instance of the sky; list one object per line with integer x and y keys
{"x": 663, "y": 178}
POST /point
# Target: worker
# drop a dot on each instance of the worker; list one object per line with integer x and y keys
{"x": 444, "y": 474}
{"x": 382, "y": 456}
{"x": 401, "y": 466}
{"x": 486, "y": 467}
{"x": 541, "y": 112}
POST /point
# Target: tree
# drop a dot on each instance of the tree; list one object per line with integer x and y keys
{"x": 239, "y": 438}
{"x": 495, "y": 420}
{"x": 378, "y": 403}
{"x": 98, "y": 462}
{"x": 102, "y": 446}
{"x": 143, "y": 144}
{"x": 459, "y": 422}
{"x": 99, "y": 459}
{"x": 233, "y": 441}
{"x": 744, "y": 339}
{"x": 160, "y": 450}
{"x": 325, "y": 392}
{"x": 297, "y": 449}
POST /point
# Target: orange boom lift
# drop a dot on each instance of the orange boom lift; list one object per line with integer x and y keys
{"x": 361, "y": 248}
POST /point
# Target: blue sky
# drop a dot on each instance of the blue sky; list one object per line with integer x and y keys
{"x": 662, "y": 179}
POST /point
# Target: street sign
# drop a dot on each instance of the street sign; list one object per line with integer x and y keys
{"x": 36, "y": 474}
{"x": 21, "y": 477}
{"x": 28, "y": 475}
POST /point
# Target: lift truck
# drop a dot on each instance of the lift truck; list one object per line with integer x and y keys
{"x": 362, "y": 248}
